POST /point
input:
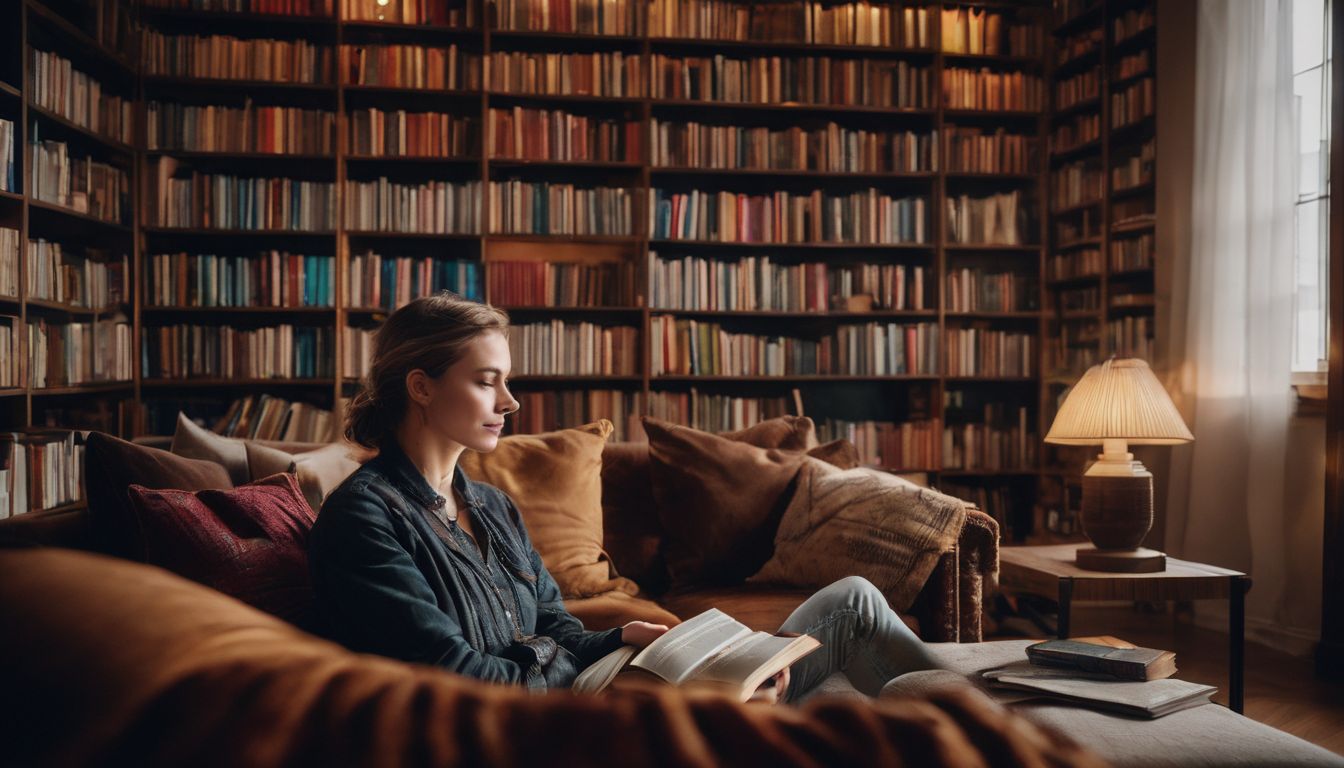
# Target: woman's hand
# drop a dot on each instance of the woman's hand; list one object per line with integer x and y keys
{"x": 775, "y": 693}
{"x": 641, "y": 633}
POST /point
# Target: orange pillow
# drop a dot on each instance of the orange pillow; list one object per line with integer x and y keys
{"x": 719, "y": 501}
{"x": 555, "y": 479}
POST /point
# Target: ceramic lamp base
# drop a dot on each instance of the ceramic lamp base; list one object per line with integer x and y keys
{"x": 1141, "y": 560}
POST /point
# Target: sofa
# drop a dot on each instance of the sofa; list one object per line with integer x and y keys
{"x": 108, "y": 661}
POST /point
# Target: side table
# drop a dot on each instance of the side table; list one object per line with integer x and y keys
{"x": 1049, "y": 571}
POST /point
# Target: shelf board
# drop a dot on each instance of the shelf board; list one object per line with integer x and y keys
{"x": 13, "y": 391}
{"x": 978, "y": 59}
{"x": 812, "y": 110}
{"x": 1122, "y": 82}
{"x": 80, "y": 389}
{"x": 1076, "y": 207}
{"x": 776, "y": 47}
{"x": 1131, "y": 274}
{"x": 676, "y": 243}
{"x": 88, "y": 134}
{"x": 403, "y": 90}
{"x": 566, "y": 378}
{"x": 1077, "y": 63}
{"x": 1076, "y": 151}
{"x": 597, "y": 239}
{"x": 610, "y": 165}
{"x": 1134, "y": 190}
{"x": 177, "y": 309}
{"x": 1080, "y": 314}
{"x": 927, "y": 176}
{"x": 378, "y": 234}
{"x": 1059, "y": 282}
{"x": 72, "y": 309}
{"x": 207, "y": 231}
{"x": 1145, "y": 36}
{"x": 1079, "y": 243}
{"x": 997, "y": 247}
{"x": 1019, "y": 315}
{"x": 9, "y": 90}
{"x": 1003, "y": 114}
{"x": 160, "y": 81}
{"x": 238, "y": 382}
{"x": 526, "y": 34}
{"x": 395, "y": 26}
{"x": 87, "y": 44}
{"x": 1132, "y": 131}
{"x": 833, "y": 314}
{"x": 504, "y": 97}
{"x": 413, "y": 159}
{"x": 111, "y": 226}
{"x": 1079, "y": 107}
{"x": 1137, "y": 226}
{"x": 13, "y": 197}
{"x": 191, "y": 154}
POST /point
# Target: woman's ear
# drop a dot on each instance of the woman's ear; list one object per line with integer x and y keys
{"x": 417, "y": 387}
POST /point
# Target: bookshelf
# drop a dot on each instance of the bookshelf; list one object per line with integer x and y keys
{"x": 891, "y": 164}
{"x": 1100, "y": 273}
{"x": 67, "y": 165}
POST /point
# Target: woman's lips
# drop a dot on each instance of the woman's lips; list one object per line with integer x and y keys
{"x": 496, "y": 428}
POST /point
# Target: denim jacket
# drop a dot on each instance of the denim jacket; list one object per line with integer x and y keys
{"x": 387, "y": 583}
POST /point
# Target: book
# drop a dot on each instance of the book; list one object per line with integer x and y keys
{"x": 712, "y": 650}
{"x": 1109, "y": 656}
{"x": 1150, "y": 699}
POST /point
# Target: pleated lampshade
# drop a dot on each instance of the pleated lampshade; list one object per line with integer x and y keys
{"x": 1119, "y": 399}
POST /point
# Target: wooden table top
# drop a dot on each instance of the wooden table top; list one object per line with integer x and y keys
{"x": 1039, "y": 569}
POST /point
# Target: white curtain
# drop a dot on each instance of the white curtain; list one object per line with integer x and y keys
{"x": 1234, "y": 321}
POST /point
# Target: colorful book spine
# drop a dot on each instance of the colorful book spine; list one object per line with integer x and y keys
{"x": 267, "y": 279}
{"x": 557, "y": 348}
{"x": 542, "y": 208}
{"x": 758, "y": 284}
{"x": 861, "y": 217}
{"x": 555, "y": 284}
{"x": 556, "y": 135}
{"x": 975, "y": 290}
{"x": 223, "y": 57}
{"x": 829, "y": 149}
{"x": 374, "y": 132}
{"x": 274, "y": 352}
{"x": 432, "y": 207}
{"x": 615, "y": 74}
{"x": 251, "y": 129}
{"x": 217, "y": 201}
{"x": 388, "y": 282}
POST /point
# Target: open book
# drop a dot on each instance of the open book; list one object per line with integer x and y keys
{"x": 711, "y": 650}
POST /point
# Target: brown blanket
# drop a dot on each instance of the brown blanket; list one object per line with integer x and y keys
{"x": 106, "y": 662}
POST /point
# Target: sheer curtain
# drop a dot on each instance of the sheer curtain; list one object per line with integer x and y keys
{"x": 1232, "y": 312}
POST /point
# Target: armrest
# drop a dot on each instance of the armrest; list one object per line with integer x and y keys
{"x": 950, "y": 604}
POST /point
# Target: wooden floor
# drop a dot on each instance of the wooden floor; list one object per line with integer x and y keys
{"x": 1281, "y": 689}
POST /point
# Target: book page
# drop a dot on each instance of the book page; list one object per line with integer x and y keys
{"x": 677, "y": 654}
{"x": 752, "y": 659}
{"x": 600, "y": 673}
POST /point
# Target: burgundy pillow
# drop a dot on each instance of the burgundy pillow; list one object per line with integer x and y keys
{"x": 250, "y": 542}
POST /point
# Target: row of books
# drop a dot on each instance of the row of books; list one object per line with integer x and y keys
{"x": 266, "y": 279}
{"x": 812, "y": 80}
{"x": 718, "y": 412}
{"x": 1133, "y": 21}
{"x": 975, "y": 150}
{"x": 429, "y": 12}
{"x": 1133, "y": 65}
{"x": 1078, "y": 44}
{"x": 56, "y": 86}
{"x": 109, "y": 22}
{"x": 905, "y": 445}
{"x": 12, "y": 373}
{"x": 615, "y": 74}
{"x": 545, "y": 411}
{"x": 758, "y": 284}
{"x": 82, "y": 184}
{"x": 988, "y": 90}
{"x": 8, "y": 166}
{"x": 977, "y": 31}
{"x": 1134, "y": 103}
{"x": 1131, "y": 253}
{"x": 39, "y": 469}
{"x": 851, "y": 23}
{"x": 1135, "y": 169}
{"x": 9, "y": 262}
{"x": 554, "y": 284}
{"x": 541, "y": 208}
{"x": 588, "y": 17}
{"x": 389, "y": 282}
{"x": 232, "y": 58}
{"x": 377, "y": 132}
{"x": 687, "y": 347}
{"x": 975, "y": 290}
{"x": 225, "y": 352}
{"x": 70, "y": 354}
{"x": 267, "y": 417}
{"x": 1078, "y": 88}
{"x": 1080, "y": 299}
{"x": 990, "y": 447}
{"x": 1079, "y": 263}
{"x": 251, "y": 128}
{"x": 83, "y": 277}
{"x": 999, "y": 219}
{"x": 1077, "y": 183}
{"x": 557, "y": 348}
{"x": 411, "y": 66}
{"x": 556, "y": 135}
{"x": 1000, "y": 501}
{"x": 432, "y": 207}
{"x": 1075, "y": 132}
{"x": 278, "y": 7}
{"x": 863, "y": 216}
{"x": 986, "y": 352}
{"x": 1131, "y": 336}
{"x": 221, "y": 201}
{"x": 830, "y": 149}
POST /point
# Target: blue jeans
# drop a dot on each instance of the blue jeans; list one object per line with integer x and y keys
{"x": 860, "y": 635}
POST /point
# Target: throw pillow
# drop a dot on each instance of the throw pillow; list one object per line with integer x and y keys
{"x": 244, "y": 460}
{"x": 787, "y": 433}
{"x": 718, "y": 501}
{"x": 555, "y": 479}
{"x": 862, "y": 522}
{"x": 111, "y": 465}
{"x": 249, "y": 542}
{"x": 321, "y": 470}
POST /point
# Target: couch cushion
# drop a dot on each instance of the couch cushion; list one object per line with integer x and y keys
{"x": 616, "y": 609}
{"x": 112, "y": 465}
{"x": 250, "y": 542}
{"x": 718, "y": 500}
{"x": 244, "y": 460}
{"x": 862, "y": 522}
{"x": 787, "y": 433}
{"x": 321, "y": 470}
{"x": 555, "y": 479}
{"x": 762, "y": 607}
{"x": 111, "y": 663}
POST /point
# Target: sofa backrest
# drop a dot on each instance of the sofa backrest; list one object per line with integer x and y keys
{"x": 631, "y": 531}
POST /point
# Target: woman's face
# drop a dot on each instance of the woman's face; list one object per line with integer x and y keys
{"x": 468, "y": 402}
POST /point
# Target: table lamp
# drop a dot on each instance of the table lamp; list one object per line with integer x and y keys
{"x": 1116, "y": 404}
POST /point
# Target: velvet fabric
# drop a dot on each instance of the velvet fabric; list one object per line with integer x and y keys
{"x": 119, "y": 664}
{"x": 250, "y": 542}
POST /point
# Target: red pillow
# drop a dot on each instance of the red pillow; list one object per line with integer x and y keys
{"x": 250, "y": 542}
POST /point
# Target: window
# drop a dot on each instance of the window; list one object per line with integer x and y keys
{"x": 1311, "y": 86}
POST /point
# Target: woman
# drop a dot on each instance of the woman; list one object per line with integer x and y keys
{"x": 414, "y": 560}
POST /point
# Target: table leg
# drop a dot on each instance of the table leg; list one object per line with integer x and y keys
{"x": 1236, "y": 631}
{"x": 1065, "y": 600}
